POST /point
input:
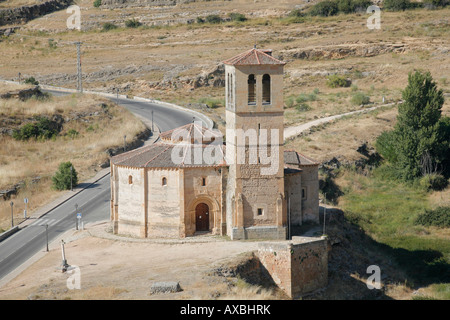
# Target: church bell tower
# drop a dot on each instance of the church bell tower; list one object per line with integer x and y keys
{"x": 255, "y": 204}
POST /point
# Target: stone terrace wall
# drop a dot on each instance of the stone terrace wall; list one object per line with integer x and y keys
{"x": 297, "y": 267}
{"x": 144, "y": 3}
{"x": 26, "y": 13}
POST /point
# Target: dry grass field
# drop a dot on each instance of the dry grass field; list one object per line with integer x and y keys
{"x": 157, "y": 59}
{"x": 92, "y": 125}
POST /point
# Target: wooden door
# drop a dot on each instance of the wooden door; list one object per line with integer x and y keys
{"x": 202, "y": 217}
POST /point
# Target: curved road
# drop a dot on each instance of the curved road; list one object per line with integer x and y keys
{"x": 92, "y": 202}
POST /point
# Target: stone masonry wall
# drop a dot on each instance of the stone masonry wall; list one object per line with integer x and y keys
{"x": 297, "y": 267}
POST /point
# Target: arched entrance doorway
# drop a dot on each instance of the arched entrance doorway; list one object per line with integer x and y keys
{"x": 202, "y": 217}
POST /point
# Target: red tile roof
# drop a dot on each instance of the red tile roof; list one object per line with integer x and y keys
{"x": 253, "y": 57}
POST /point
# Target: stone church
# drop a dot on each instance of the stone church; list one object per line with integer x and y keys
{"x": 195, "y": 181}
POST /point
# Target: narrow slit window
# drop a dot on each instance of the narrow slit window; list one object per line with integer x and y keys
{"x": 164, "y": 181}
{"x": 251, "y": 89}
{"x": 130, "y": 179}
{"x": 303, "y": 193}
{"x": 266, "y": 89}
{"x": 203, "y": 182}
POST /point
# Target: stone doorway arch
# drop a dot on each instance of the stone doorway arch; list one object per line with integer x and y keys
{"x": 202, "y": 217}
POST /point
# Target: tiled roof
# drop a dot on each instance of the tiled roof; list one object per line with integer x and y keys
{"x": 253, "y": 57}
{"x": 192, "y": 132}
{"x": 165, "y": 155}
{"x": 292, "y": 157}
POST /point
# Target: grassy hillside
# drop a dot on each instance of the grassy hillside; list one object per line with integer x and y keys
{"x": 90, "y": 126}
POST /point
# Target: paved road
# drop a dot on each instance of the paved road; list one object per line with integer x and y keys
{"x": 92, "y": 202}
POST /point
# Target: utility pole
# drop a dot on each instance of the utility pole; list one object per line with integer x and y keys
{"x": 79, "y": 84}
{"x": 124, "y": 143}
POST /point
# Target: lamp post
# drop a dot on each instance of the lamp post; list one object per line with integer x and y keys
{"x": 46, "y": 235}
{"x": 76, "y": 218}
{"x": 124, "y": 143}
{"x": 152, "y": 122}
{"x": 12, "y": 214}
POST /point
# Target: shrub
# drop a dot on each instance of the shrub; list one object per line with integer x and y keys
{"x": 325, "y": 9}
{"x": 237, "y": 17}
{"x": 360, "y": 98}
{"x": 433, "y": 4}
{"x": 385, "y": 145}
{"x": 200, "y": 20}
{"x": 434, "y": 182}
{"x": 212, "y": 103}
{"x": 132, "y": 23}
{"x": 97, "y": 3}
{"x": 107, "y": 26}
{"x": 213, "y": 18}
{"x": 397, "y": 5}
{"x": 303, "y": 106}
{"x": 439, "y": 217}
{"x": 64, "y": 178}
{"x": 31, "y": 80}
{"x": 72, "y": 133}
{"x": 335, "y": 81}
{"x": 43, "y": 129}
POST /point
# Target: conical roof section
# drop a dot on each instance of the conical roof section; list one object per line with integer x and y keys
{"x": 254, "y": 57}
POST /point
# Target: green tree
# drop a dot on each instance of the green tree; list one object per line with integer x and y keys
{"x": 418, "y": 129}
{"x": 65, "y": 177}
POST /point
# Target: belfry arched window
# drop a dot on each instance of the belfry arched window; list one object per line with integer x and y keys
{"x": 266, "y": 89}
{"x": 251, "y": 89}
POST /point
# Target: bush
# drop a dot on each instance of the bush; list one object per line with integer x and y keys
{"x": 386, "y": 147}
{"x": 107, "y": 26}
{"x": 360, "y": 98}
{"x": 132, "y": 23}
{"x": 213, "y": 18}
{"x": 43, "y": 129}
{"x": 335, "y": 81}
{"x": 31, "y": 80}
{"x": 97, "y": 3}
{"x": 64, "y": 178}
{"x": 397, "y": 5}
{"x": 325, "y": 9}
{"x": 303, "y": 106}
{"x": 434, "y": 182}
{"x": 433, "y": 4}
{"x": 439, "y": 217}
{"x": 72, "y": 133}
{"x": 237, "y": 17}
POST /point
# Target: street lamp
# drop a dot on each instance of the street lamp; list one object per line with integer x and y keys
{"x": 76, "y": 218}
{"x": 46, "y": 234}
{"x": 152, "y": 122}
{"x": 124, "y": 143}
{"x": 12, "y": 214}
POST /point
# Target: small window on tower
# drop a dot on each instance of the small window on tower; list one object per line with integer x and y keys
{"x": 266, "y": 89}
{"x": 251, "y": 89}
{"x": 303, "y": 193}
{"x": 164, "y": 181}
{"x": 203, "y": 182}
{"x": 130, "y": 179}
{"x": 260, "y": 211}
